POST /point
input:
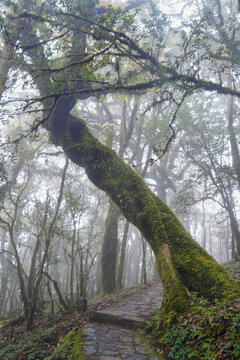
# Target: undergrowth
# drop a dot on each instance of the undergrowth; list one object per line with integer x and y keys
{"x": 18, "y": 344}
{"x": 33, "y": 346}
{"x": 209, "y": 332}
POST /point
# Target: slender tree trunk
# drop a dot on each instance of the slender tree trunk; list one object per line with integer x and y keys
{"x": 226, "y": 252}
{"x": 210, "y": 239}
{"x": 136, "y": 264}
{"x": 59, "y": 294}
{"x": 72, "y": 260}
{"x": 234, "y": 253}
{"x": 98, "y": 276}
{"x": 109, "y": 250}
{"x": 233, "y": 139}
{"x": 144, "y": 270}
{"x": 204, "y": 238}
{"x": 4, "y": 272}
{"x": 128, "y": 270}
{"x": 228, "y": 243}
{"x": 55, "y": 266}
{"x": 122, "y": 257}
{"x": 234, "y": 224}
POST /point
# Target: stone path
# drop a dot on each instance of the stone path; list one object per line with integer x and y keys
{"x": 134, "y": 312}
{"x": 107, "y": 342}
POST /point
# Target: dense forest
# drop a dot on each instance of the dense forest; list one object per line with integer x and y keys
{"x": 120, "y": 166}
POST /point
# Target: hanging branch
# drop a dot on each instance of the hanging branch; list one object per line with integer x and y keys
{"x": 172, "y": 137}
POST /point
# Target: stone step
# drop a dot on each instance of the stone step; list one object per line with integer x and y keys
{"x": 127, "y": 322}
{"x": 133, "y": 313}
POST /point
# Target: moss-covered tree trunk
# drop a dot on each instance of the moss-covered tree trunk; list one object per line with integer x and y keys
{"x": 182, "y": 264}
{"x": 109, "y": 250}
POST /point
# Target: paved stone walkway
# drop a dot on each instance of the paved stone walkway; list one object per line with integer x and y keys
{"x": 106, "y": 342}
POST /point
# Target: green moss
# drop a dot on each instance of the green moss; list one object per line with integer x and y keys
{"x": 175, "y": 299}
{"x": 71, "y": 347}
{"x": 203, "y": 274}
{"x": 197, "y": 270}
{"x": 152, "y": 353}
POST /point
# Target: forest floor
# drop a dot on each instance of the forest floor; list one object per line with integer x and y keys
{"x": 53, "y": 336}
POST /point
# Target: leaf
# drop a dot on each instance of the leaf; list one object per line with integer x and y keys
{"x": 205, "y": 345}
